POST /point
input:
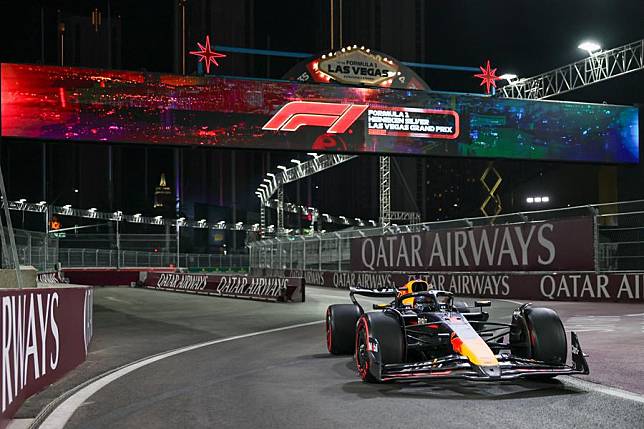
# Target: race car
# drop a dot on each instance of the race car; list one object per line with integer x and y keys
{"x": 423, "y": 334}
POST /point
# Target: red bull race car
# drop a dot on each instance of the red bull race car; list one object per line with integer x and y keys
{"x": 423, "y": 334}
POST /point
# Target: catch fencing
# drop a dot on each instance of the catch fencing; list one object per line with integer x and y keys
{"x": 42, "y": 252}
{"x": 618, "y": 238}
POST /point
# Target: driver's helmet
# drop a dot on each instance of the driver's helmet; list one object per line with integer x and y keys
{"x": 411, "y": 287}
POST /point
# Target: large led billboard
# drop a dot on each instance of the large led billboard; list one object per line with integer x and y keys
{"x": 77, "y": 104}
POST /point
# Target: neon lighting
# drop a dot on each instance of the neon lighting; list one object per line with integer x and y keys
{"x": 488, "y": 77}
{"x": 207, "y": 55}
{"x": 337, "y": 116}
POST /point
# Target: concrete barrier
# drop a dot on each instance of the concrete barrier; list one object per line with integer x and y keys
{"x": 45, "y": 333}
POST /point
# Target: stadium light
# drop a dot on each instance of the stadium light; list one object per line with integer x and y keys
{"x": 267, "y": 180}
{"x": 589, "y": 46}
{"x": 22, "y": 200}
{"x": 42, "y": 203}
{"x": 67, "y": 206}
{"x": 296, "y": 161}
{"x": 537, "y": 200}
{"x": 508, "y": 77}
{"x": 271, "y": 175}
{"x": 281, "y": 167}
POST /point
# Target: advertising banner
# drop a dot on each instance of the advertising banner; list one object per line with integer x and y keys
{"x": 573, "y": 286}
{"x": 235, "y": 286}
{"x": 78, "y": 104}
{"x": 45, "y": 334}
{"x": 565, "y": 244}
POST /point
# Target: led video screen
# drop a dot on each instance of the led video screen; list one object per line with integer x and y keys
{"x": 77, "y": 104}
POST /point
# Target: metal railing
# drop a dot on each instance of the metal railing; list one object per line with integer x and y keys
{"x": 619, "y": 238}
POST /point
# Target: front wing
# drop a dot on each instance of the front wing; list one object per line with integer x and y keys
{"x": 459, "y": 367}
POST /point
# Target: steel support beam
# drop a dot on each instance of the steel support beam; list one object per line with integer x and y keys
{"x": 597, "y": 67}
{"x": 385, "y": 191}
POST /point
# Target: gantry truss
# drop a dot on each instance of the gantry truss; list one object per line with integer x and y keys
{"x": 119, "y": 216}
{"x": 306, "y": 168}
{"x": 385, "y": 191}
{"x": 597, "y": 67}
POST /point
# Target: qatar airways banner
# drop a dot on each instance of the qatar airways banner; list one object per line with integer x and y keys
{"x": 78, "y": 104}
{"x": 574, "y": 286}
{"x": 234, "y": 286}
{"x": 45, "y": 334}
{"x": 565, "y": 244}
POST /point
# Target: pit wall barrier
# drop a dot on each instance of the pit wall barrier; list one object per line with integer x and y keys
{"x": 266, "y": 288}
{"x": 45, "y": 334}
{"x": 567, "y": 286}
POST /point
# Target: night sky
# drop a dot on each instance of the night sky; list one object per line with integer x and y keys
{"x": 521, "y": 37}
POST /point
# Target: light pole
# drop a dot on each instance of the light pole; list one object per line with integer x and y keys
{"x": 178, "y": 223}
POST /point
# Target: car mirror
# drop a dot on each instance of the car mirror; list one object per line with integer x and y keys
{"x": 482, "y": 303}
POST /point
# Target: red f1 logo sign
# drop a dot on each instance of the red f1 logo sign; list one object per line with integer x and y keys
{"x": 337, "y": 116}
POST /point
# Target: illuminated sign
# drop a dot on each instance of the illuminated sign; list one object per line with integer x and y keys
{"x": 111, "y": 106}
{"x": 358, "y": 66}
{"x": 337, "y": 116}
{"x": 394, "y": 121}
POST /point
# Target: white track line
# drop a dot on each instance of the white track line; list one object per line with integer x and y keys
{"x": 600, "y": 388}
{"x": 63, "y": 412}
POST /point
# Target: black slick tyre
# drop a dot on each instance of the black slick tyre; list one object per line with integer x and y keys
{"x": 341, "y": 322}
{"x": 387, "y": 331}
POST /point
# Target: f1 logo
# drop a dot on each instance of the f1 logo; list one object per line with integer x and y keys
{"x": 337, "y": 116}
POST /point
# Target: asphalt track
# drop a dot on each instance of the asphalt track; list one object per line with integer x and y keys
{"x": 287, "y": 379}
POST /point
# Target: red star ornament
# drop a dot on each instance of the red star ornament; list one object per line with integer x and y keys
{"x": 488, "y": 77}
{"x": 207, "y": 55}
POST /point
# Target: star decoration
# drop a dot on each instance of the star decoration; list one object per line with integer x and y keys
{"x": 207, "y": 55}
{"x": 488, "y": 77}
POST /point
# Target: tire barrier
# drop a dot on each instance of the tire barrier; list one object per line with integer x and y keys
{"x": 45, "y": 333}
{"x": 278, "y": 289}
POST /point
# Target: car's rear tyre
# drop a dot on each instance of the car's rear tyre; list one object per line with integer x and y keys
{"x": 384, "y": 328}
{"x": 341, "y": 322}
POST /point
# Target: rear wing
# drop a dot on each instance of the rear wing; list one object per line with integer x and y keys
{"x": 372, "y": 293}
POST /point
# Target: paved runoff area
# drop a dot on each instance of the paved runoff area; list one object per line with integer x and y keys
{"x": 249, "y": 372}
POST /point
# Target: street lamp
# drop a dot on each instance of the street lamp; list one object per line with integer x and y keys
{"x": 590, "y": 46}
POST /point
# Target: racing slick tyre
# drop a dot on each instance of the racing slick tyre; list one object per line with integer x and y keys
{"x": 540, "y": 335}
{"x": 547, "y": 336}
{"x": 341, "y": 322}
{"x": 387, "y": 331}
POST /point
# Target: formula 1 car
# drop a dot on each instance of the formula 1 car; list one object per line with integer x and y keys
{"x": 423, "y": 334}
